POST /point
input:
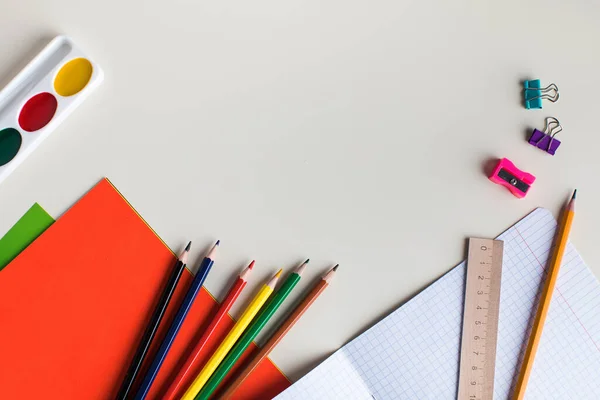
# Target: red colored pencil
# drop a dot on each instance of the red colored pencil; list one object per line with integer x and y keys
{"x": 190, "y": 363}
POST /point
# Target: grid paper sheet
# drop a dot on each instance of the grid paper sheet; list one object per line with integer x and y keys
{"x": 414, "y": 352}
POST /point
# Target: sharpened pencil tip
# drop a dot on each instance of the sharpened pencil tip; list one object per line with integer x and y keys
{"x": 218, "y": 243}
{"x": 330, "y": 274}
{"x": 251, "y": 265}
{"x": 274, "y": 279}
{"x": 574, "y": 195}
{"x": 302, "y": 267}
{"x": 213, "y": 251}
{"x": 183, "y": 257}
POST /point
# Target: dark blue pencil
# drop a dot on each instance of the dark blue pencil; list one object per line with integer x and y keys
{"x": 190, "y": 296}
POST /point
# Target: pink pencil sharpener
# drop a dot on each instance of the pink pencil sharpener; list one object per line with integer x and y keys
{"x": 512, "y": 178}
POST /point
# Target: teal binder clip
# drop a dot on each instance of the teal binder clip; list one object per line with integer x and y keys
{"x": 535, "y": 93}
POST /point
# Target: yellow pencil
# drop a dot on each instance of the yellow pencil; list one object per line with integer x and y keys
{"x": 538, "y": 325}
{"x": 235, "y": 333}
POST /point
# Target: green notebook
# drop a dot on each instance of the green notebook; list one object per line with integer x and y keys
{"x": 31, "y": 225}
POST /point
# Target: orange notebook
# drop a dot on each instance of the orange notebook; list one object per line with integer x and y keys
{"x": 74, "y": 304}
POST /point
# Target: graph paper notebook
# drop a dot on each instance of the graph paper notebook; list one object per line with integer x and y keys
{"x": 414, "y": 352}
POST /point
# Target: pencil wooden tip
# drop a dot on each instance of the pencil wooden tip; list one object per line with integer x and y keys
{"x": 213, "y": 252}
{"x": 330, "y": 274}
{"x": 246, "y": 272}
{"x": 183, "y": 257}
{"x": 274, "y": 279}
{"x": 189, "y": 245}
{"x": 302, "y": 267}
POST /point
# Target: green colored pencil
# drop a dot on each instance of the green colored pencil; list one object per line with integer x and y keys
{"x": 255, "y": 327}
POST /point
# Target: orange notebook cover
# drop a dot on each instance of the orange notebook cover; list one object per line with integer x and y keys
{"x": 74, "y": 304}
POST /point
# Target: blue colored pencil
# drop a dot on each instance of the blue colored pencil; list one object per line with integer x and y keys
{"x": 190, "y": 296}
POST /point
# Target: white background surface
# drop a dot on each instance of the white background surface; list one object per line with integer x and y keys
{"x": 344, "y": 131}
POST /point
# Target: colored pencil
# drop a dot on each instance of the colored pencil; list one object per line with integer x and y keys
{"x": 224, "y": 308}
{"x": 560, "y": 245}
{"x": 280, "y": 333}
{"x": 152, "y": 327}
{"x": 233, "y": 335}
{"x": 266, "y": 313}
{"x": 185, "y": 306}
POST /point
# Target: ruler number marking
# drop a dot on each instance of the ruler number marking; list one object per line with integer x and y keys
{"x": 478, "y": 348}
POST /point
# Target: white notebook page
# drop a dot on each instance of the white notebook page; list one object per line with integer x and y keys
{"x": 414, "y": 352}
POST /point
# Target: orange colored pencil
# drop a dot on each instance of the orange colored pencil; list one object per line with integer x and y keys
{"x": 187, "y": 373}
{"x": 306, "y": 302}
{"x": 560, "y": 245}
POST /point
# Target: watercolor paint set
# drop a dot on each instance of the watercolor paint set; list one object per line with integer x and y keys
{"x": 40, "y": 97}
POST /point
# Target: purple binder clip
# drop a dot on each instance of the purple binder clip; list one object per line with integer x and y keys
{"x": 546, "y": 140}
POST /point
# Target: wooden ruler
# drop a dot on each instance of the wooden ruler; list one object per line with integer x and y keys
{"x": 480, "y": 320}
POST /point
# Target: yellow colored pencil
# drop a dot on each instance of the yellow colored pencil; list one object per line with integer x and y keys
{"x": 235, "y": 333}
{"x": 562, "y": 237}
